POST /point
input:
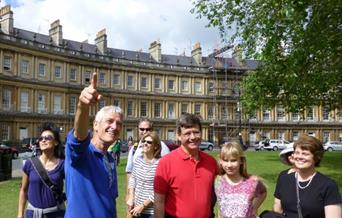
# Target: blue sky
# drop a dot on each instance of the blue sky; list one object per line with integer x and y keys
{"x": 130, "y": 24}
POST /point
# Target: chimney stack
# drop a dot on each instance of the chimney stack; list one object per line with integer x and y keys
{"x": 237, "y": 55}
{"x": 6, "y": 19}
{"x": 155, "y": 51}
{"x": 101, "y": 41}
{"x": 56, "y": 33}
{"x": 196, "y": 53}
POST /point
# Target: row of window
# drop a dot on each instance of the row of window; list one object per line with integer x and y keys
{"x": 142, "y": 109}
{"x": 310, "y": 115}
{"x": 225, "y": 88}
{"x": 57, "y": 105}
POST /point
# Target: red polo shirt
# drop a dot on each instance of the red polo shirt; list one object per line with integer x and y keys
{"x": 187, "y": 184}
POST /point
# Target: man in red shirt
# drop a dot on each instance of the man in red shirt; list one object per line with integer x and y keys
{"x": 183, "y": 184}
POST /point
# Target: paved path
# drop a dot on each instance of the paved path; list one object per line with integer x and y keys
{"x": 17, "y": 165}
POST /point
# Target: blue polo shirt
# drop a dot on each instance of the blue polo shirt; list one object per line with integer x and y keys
{"x": 90, "y": 190}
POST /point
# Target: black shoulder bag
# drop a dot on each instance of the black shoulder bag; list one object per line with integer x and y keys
{"x": 58, "y": 194}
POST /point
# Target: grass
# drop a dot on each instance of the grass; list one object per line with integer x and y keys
{"x": 263, "y": 164}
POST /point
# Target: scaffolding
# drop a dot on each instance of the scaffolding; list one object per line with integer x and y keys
{"x": 225, "y": 126}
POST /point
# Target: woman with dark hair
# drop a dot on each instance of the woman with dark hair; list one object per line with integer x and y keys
{"x": 140, "y": 188}
{"x": 306, "y": 192}
{"x": 42, "y": 201}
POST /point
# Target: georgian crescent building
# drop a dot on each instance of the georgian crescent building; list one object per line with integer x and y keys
{"x": 42, "y": 75}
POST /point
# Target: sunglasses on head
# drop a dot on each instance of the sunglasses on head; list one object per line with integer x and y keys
{"x": 46, "y": 138}
{"x": 148, "y": 142}
{"x": 145, "y": 129}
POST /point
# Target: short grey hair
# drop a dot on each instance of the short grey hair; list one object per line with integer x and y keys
{"x": 145, "y": 119}
{"x": 107, "y": 109}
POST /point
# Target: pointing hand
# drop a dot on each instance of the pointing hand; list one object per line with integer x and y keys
{"x": 89, "y": 95}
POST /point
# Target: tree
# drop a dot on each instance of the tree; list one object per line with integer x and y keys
{"x": 298, "y": 45}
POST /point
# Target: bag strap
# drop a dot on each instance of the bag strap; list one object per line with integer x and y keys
{"x": 299, "y": 209}
{"x": 39, "y": 168}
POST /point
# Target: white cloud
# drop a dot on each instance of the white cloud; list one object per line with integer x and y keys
{"x": 130, "y": 24}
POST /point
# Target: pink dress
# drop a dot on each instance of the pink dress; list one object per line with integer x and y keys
{"x": 236, "y": 200}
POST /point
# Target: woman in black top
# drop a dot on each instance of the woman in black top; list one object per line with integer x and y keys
{"x": 319, "y": 195}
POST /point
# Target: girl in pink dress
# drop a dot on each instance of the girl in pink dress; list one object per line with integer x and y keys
{"x": 238, "y": 193}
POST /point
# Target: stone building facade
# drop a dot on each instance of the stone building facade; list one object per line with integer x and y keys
{"x": 41, "y": 77}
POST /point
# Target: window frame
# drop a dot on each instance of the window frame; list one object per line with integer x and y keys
{"x": 155, "y": 83}
{"x": 116, "y": 79}
{"x": 24, "y": 64}
{"x": 196, "y": 105}
{"x": 143, "y": 82}
{"x": 24, "y": 102}
{"x": 7, "y": 63}
{"x": 157, "y": 110}
{"x": 130, "y": 105}
{"x": 72, "y": 105}
{"x": 184, "y": 106}
{"x": 41, "y": 103}
{"x": 198, "y": 87}
{"x": 102, "y": 78}
{"x": 130, "y": 81}
{"x": 143, "y": 108}
{"x": 57, "y": 108}
{"x": 173, "y": 114}
{"x": 266, "y": 113}
{"x": 41, "y": 70}
{"x": 171, "y": 82}
{"x": 58, "y": 72}
{"x": 73, "y": 71}
{"x": 7, "y": 99}
{"x": 185, "y": 85}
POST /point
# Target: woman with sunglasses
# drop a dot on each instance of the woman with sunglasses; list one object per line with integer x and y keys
{"x": 140, "y": 188}
{"x": 41, "y": 200}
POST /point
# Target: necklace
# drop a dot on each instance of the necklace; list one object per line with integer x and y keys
{"x": 307, "y": 185}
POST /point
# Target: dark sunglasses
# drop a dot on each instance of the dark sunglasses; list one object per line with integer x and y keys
{"x": 46, "y": 138}
{"x": 148, "y": 142}
{"x": 145, "y": 129}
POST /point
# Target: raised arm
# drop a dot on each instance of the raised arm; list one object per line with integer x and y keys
{"x": 89, "y": 96}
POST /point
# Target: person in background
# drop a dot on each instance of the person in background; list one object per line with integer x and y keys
{"x": 286, "y": 157}
{"x": 141, "y": 195}
{"x": 318, "y": 194}
{"x": 40, "y": 198}
{"x": 184, "y": 180}
{"x": 115, "y": 150}
{"x": 238, "y": 193}
{"x": 130, "y": 143}
{"x": 91, "y": 179}
{"x": 144, "y": 126}
{"x": 34, "y": 149}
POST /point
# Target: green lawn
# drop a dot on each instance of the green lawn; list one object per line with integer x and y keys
{"x": 264, "y": 164}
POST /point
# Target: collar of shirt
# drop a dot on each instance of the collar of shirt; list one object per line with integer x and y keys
{"x": 186, "y": 156}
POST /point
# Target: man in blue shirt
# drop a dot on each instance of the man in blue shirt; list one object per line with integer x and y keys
{"x": 91, "y": 182}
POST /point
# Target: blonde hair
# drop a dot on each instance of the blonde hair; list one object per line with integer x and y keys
{"x": 233, "y": 149}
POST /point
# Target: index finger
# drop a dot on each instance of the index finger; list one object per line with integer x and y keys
{"x": 93, "y": 82}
